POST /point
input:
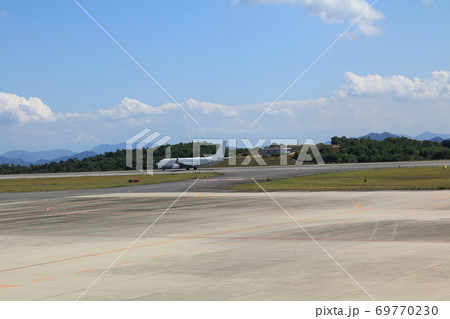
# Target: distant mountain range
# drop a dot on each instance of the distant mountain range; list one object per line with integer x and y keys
{"x": 19, "y": 157}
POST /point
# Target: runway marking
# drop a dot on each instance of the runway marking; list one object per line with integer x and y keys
{"x": 66, "y": 224}
{"x": 118, "y": 204}
{"x": 42, "y": 279}
{"x": 277, "y": 234}
{"x": 40, "y": 227}
{"x": 140, "y": 214}
{"x": 87, "y": 270}
{"x": 13, "y": 230}
{"x": 161, "y": 256}
{"x": 441, "y": 197}
{"x": 357, "y": 205}
{"x": 8, "y": 286}
{"x": 194, "y": 249}
{"x": 228, "y": 179}
{"x": 125, "y": 263}
{"x": 322, "y": 226}
{"x": 73, "y": 203}
{"x": 223, "y": 244}
{"x": 251, "y": 238}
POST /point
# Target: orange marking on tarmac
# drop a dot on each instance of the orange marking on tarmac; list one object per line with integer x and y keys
{"x": 277, "y": 234}
{"x": 323, "y": 226}
{"x": 101, "y": 207}
{"x": 13, "y": 230}
{"x": 8, "y": 286}
{"x": 252, "y": 238}
{"x": 381, "y": 216}
{"x": 223, "y": 244}
{"x": 40, "y": 227}
{"x": 359, "y": 207}
{"x": 126, "y": 263}
{"x": 363, "y": 219}
{"x": 116, "y": 217}
{"x": 92, "y": 221}
{"x": 193, "y": 249}
{"x": 67, "y": 224}
{"x": 48, "y": 278}
{"x": 173, "y": 241}
{"x": 74, "y": 203}
{"x": 160, "y": 256}
{"x": 441, "y": 197}
{"x": 300, "y": 230}
{"x": 82, "y": 271}
{"x": 344, "y": 223}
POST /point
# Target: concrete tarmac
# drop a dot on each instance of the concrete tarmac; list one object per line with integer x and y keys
{"x": 211, "y": 244}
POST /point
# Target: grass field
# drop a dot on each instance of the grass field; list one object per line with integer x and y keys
{"x": 416, "y": 178}
{"x": 89, "y": 182}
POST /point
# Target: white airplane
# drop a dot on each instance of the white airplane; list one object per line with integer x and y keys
{"x": 193, "y": 162}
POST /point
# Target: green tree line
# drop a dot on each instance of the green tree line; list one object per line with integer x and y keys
{"x": 362, "y": 150}
{"x": 341, "y": 150}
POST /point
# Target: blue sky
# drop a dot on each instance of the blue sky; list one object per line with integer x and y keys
{"x": 65, "y": 84}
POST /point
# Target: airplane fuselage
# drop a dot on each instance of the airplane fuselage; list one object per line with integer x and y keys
{"x": 187, "y": 162}
{"x": 193, "y": 162}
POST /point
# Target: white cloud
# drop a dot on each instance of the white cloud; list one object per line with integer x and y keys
{"x": 3, "y": 13}
{"x": 333, "y": 11}
{"x": 428, "y": 3}
{"x": 17, "y": 109}
{"x": 131, "y": 108}
{"x": 207, "y": 107}
{"x": 397, "y": 86}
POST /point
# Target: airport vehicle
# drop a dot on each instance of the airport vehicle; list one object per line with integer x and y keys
{"x": 193, "y": 162}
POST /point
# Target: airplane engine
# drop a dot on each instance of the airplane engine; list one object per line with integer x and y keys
{"x": 175, "y": 166}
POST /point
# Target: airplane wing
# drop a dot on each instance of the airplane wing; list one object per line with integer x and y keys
{"x": 182, "y": 165}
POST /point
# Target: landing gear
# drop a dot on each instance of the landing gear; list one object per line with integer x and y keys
{"x": 187, "y": 168}
{"x": 163, "y": 169}
{"x": 195, "y": 168}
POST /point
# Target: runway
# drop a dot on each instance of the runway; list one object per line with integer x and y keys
{"x": 212, "y": 244}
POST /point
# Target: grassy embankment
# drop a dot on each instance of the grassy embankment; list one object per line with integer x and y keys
{"x": 416, "y": 178}
{"x": 89, "y": 182}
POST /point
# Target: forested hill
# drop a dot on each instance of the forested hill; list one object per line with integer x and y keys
{"x": 362, "y": 150}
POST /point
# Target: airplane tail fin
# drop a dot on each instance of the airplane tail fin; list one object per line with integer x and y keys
{"x": 221, "y": 151}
